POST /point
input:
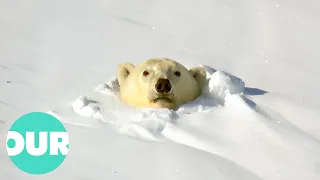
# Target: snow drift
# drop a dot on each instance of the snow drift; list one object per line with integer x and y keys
{"x": 222, "y": 121}
{"x": 104, "y": 104}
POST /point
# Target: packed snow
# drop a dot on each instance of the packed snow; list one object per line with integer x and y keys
{"x": 105, "y": 104}
{"x": 257, "y": 118}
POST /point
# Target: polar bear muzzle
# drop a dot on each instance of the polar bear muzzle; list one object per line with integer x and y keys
{"x": 163, "y": 86}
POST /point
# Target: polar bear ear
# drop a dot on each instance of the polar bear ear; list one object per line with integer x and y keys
{"x": 123, "y": 72}
{"x": 199, "y": 74}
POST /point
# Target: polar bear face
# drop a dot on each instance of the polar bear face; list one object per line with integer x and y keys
{"x": 159, "y": 83}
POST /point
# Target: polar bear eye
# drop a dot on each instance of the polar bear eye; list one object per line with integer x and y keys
{"x": 145, "y": 73}
{"x": 177, "y": 73}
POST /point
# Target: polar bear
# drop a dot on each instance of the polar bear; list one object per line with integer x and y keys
{"x": 159, "y": 83}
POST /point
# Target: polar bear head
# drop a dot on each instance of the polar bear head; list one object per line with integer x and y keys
{"x": 159, "y": 83}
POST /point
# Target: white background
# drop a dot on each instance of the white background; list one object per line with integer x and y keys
{"x": 53, "y": 51}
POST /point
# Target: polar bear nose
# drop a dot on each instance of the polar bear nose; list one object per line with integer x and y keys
{"x": 163, "y": 86}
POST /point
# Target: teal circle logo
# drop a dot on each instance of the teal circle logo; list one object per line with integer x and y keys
{"x": 37, "y": 143}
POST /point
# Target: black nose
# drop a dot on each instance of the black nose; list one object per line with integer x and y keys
{"x": 163, "y": 86}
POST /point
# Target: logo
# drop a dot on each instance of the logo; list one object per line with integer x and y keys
{"x": 37, "y": 143}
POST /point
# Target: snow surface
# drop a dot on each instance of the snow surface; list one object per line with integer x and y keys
{"x": 258, "y": 117}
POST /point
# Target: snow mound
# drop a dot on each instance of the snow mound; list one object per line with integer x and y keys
{"x": 222, "y": 83}
{"x": 105, "y": 105}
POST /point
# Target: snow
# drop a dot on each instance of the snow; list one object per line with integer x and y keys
{"x": 258, "y": 117}
{"x": 147, "y": 121}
